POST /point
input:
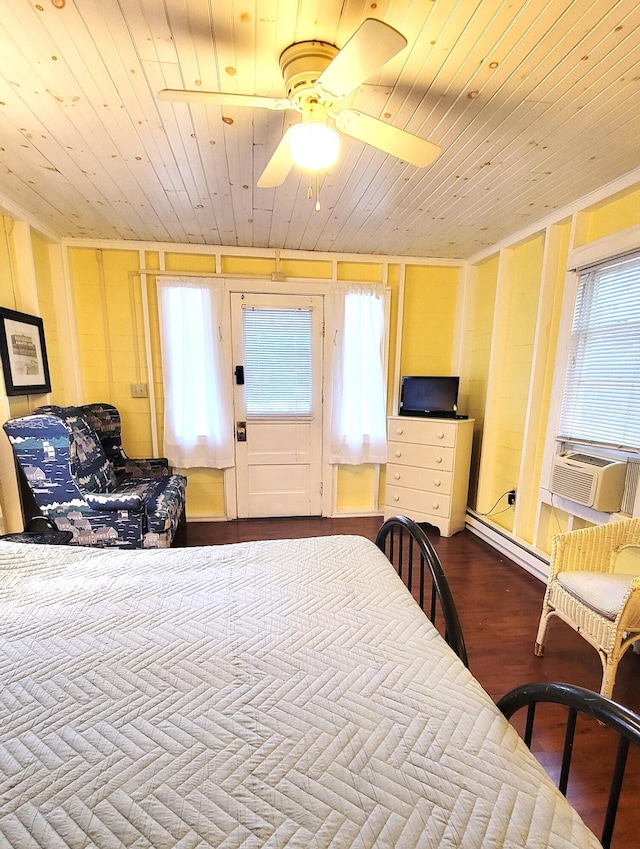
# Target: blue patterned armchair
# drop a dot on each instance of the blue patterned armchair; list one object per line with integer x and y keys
{"x": 105, "y": 420}
{"x": 75, "y": 486}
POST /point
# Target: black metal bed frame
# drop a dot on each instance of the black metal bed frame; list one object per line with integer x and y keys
{"x": 578, "y": 700}
{"x": 408, "y": 548}
{"x": 414, "y": 558}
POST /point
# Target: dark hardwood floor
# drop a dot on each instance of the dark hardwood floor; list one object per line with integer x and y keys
{"x": 499, "y": 607}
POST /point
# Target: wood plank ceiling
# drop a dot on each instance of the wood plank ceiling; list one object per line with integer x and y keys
{"x": 535, "y": 103}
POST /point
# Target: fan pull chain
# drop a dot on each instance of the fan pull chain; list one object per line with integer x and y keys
{"x": 310, "y": 191}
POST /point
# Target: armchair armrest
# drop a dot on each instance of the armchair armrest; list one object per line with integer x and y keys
{"x": 115, "y": 501}
{"x": 590, "y": 549}
{"x": 151, "y": 467}
{"x": 630, "y": 614}
{"x": 152, "y": 462}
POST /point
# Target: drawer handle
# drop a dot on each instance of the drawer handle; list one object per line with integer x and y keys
{"x": 440, "y": 435}
{"x": 398, "y": 453}
{"x": 435, "y": 505}
{"x": 438, "y": 459}
{"x": 399, "y": 431}
{"x": 437, "y": 482}
{"x": 397, "y": 476}
{"x": 396, "y": 498}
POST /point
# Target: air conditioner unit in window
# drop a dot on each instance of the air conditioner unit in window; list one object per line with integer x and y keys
{"x": 593, "y": 481}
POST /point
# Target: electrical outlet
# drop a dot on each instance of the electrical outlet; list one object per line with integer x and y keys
{"x": 139, "y": 390}
{"x": 511, "y": 496}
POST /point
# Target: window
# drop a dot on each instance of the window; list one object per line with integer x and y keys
{"x": 601, "y": 402}
{"x": 198, "y": 429}
{"x": 358, "y": 403}
{"x": 278, "y": 361}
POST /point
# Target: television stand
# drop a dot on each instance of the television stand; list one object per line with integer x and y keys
{"x": 428, "y": 461}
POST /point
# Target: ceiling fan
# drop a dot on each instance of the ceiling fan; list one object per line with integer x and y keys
{"x": 317, "y": 76}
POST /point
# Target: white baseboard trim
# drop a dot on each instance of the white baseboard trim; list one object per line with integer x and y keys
{"x": 216, "y": 518}
{"x": 361, "y": 514}
{"x": 534, "y": 562}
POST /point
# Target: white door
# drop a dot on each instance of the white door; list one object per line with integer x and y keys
{"x": 277, "y": 348}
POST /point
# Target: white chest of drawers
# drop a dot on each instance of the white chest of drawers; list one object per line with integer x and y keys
{"x": 428, "y": 464}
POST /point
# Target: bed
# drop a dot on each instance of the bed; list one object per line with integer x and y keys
{"x": 285, "y": 693}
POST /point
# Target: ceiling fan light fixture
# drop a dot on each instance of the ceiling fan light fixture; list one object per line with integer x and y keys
{"x": 314, "y": 145}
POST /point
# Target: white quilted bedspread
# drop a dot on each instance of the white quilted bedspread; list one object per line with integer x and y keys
{"x": 269, "y": 694}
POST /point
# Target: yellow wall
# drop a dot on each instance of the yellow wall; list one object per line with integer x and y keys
{"x": 47, "y": 297}
{"x": 203, "y": 263}
{"x": 428, "y": 328}
{"x": 111, "y": 341}
{"x": 25, "y": 286}
{"x": 369, "y": 272}
{"x": 510, "y": 376}
{"x": 393, "y": 284}
{"x": 425, "y": 347}
{"x": 107, "y": 297}
{"x": 608, "y": 217}
{"x": 7, "y": 286}
{"x": 478, "y": 335}
{"x": 509, "y": 336}
{"x": 14, "y": 298}
{"x": 513, "y": 304}
{"x": 544, "y": 361}
{"x": 306, "y": 268}
{"x": 356, "y": 489}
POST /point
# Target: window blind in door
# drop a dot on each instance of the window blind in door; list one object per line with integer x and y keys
{"x": 278, "y": 361}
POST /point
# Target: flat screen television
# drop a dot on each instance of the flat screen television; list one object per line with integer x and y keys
{"x": 429, "y": 396}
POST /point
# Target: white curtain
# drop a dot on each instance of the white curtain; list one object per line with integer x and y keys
{"x": 198, "y": 418}
{"x": 358, "y": 399}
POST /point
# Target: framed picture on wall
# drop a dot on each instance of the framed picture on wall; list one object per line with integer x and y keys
{"x": 23, "y": 353}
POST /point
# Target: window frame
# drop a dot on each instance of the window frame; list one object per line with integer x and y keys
{"x": 579, "y": 258}
{"x": 583, "y": 342}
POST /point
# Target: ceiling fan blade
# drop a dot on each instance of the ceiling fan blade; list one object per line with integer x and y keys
{"x": 384, "y": 136}
{"x": 223, "y": 98}
{"x": 278, "y": 167}
{"x": 368, "y": 49}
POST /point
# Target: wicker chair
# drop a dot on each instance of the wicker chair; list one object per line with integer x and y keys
{"x": 594, "y": 586}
